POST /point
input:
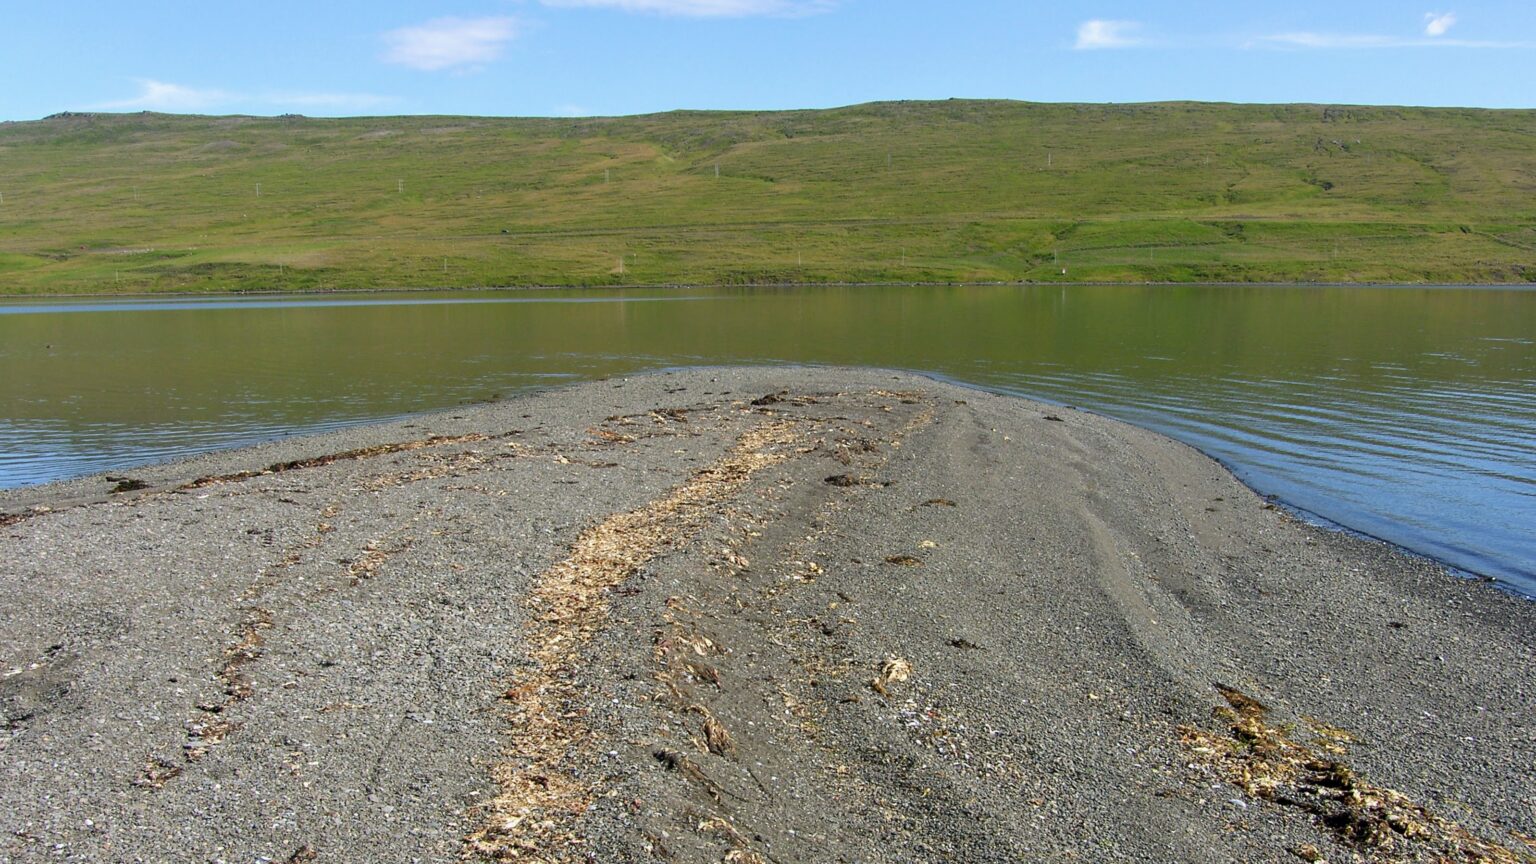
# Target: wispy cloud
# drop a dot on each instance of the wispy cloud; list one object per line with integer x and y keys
{"x": 1305, "y": 39}
{"x": 1369, "y": 40}
{"x": 1437, "y": 24}
{"x": 447, "y": 43}
{"x": 164, "y": 96}
{"x": 706, "y": 8}
{"x": 1099, "y": 33}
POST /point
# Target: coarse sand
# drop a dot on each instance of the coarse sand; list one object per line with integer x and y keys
{"x": 742, "y": 615}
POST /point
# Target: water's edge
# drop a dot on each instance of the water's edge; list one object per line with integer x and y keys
{"x": 680, "y": 286}
{"x": 1406, "y": 414}
{"x": 86, "y": 488}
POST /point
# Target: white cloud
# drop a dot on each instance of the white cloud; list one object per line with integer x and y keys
{"x": 161, "y": 96}
{"x": 1099, "y": 33}
{"x": 571, "y": 111}
{"x": 444, "y": 43}
{"x": 705, "y": 8}
{"x": 1368, "y": 40}
{"x": 1331, "y": 40}
{"x": 1438, "y": 24}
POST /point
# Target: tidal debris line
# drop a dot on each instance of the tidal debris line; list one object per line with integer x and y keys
{"x": 1267, "y": 763}
{"x": 531, "y": 819}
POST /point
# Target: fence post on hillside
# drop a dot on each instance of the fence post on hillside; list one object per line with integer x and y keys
{"x": 399, "y": 187}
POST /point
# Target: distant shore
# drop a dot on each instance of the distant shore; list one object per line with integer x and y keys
{"x": 309, "y": 292}
{"x": 913, "y": 191}
{"x": 764, "y": 614}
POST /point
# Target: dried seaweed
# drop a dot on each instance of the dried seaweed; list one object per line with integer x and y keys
{"x": 344, "y": 456}
{"x": 156, "y": 773}
{"x": 716, "y": 737}
{"x": 892, "y": 671}
{"x": 531, "y": 819}
{"x": 1384, "y": 825}
{"x": 608, "y": 436}
{"x": 373, "y": 557}
{"x": 252, "y": 637}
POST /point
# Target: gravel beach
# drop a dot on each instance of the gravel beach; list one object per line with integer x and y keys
{"x": 742, "y": 615}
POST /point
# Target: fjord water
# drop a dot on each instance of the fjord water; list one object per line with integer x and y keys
{"x": 1406, "y": 413}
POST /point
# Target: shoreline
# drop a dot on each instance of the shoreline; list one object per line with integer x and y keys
{"x": 17, "y": 501}
{"x": 683, "y": 286}
{"x": 791, "y": 613}
{"x": 1302, "y": 514}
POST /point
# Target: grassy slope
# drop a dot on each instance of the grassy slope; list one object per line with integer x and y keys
{"x": 943, "y": 191}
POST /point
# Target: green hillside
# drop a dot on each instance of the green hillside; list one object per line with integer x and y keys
{"x": 934, "y": 191}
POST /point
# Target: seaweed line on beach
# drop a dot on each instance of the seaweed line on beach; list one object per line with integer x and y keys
{"x": 1381, "y": 824}
{"x": 692, "y": 667}
{"x": 125, "y": 485}
{"x": 213, "y": 722}
{"x": 330, "y": 459}
{"x": 531, "y": 819}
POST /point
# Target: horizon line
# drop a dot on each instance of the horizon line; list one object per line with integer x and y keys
{"x": 70, "y": 113}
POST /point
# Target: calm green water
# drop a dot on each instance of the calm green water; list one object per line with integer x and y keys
{"x": 1405, "y": 413}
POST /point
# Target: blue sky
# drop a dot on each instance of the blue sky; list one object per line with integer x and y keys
{"x": 573, "y": 57}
